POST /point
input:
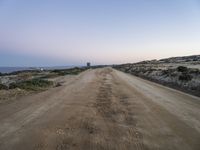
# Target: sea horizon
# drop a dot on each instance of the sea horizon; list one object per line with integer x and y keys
{"x": 5, "y": 69}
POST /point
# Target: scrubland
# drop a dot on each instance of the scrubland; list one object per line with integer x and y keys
{"x": 182, "y": 73}
{"x": 20, "y": 83}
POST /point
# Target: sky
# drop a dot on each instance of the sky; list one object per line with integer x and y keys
{"x": 73, "y": 32}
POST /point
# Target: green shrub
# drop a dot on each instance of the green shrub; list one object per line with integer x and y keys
{"x": 72, "y": 71}
{"x": 167, "y": 72}
{"x": 50, "y": 75}
{"x": 182, "y": 69}
{"x": 3, "y": 87}
{"x": 34, "y": 84}
{"x": 185, "y": 77}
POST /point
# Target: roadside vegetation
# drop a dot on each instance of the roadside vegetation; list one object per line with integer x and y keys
{"x": 25, "y": 82}
{"x": 3, "y": 87}
{"x": 63, "y": 72}
{"x": 169, "y": 72}
{"x": 34, "y": 84}
{"x": 35, "y": 77}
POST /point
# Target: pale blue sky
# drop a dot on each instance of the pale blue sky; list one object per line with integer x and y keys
{"x": 72, "y": 32}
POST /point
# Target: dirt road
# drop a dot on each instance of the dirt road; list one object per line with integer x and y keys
{"x": 102, "y": 109}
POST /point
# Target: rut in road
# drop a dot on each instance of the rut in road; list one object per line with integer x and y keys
{"x": 107, "y": 121}
{"x": 112, "y": 105}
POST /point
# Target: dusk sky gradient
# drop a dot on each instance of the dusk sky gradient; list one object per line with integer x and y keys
{"x": 72, "y": 32}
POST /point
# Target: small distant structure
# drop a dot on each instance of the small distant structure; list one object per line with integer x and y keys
{"x": 88, "y": 64}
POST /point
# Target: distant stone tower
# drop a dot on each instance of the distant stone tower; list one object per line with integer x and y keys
{"x": 88, "y": 64}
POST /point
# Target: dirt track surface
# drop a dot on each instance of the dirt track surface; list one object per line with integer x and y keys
{"x": 102, "y": 109}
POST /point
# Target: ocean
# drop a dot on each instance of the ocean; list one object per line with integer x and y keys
{"x": 12, "y": 69}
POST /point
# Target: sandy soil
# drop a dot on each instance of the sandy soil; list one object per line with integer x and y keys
{"x": 102, "y": 109}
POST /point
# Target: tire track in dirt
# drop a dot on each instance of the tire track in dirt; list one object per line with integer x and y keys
{"x": 161, "y": 129}
{"x": 101, "y": 110}
{"x": 112, "y": 105}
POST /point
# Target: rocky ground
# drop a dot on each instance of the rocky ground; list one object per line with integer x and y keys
{"x": 182, "y": 73}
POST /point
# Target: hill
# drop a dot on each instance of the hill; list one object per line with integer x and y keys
{"x": 181, "y": 73}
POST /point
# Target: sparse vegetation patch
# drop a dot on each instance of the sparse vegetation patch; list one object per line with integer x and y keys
{"x": 3, "y": 87}
{"x": 73, "y": 71}
{"x": 34, "y": 84}
{"x": 185, "y": 77}
{"x": 182, "y": 69}
{"x": 169, "y": 72}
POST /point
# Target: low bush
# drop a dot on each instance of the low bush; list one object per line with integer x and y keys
{"x": 168, "y": 72}
{"x": 50, "y": 75}
{"x": 185, "y": 77}
{"x": 72, "y": 71}
{"x": 34, "y": 84}
{"x": 3, "y": 87}
{"x": 182, "y": 69}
